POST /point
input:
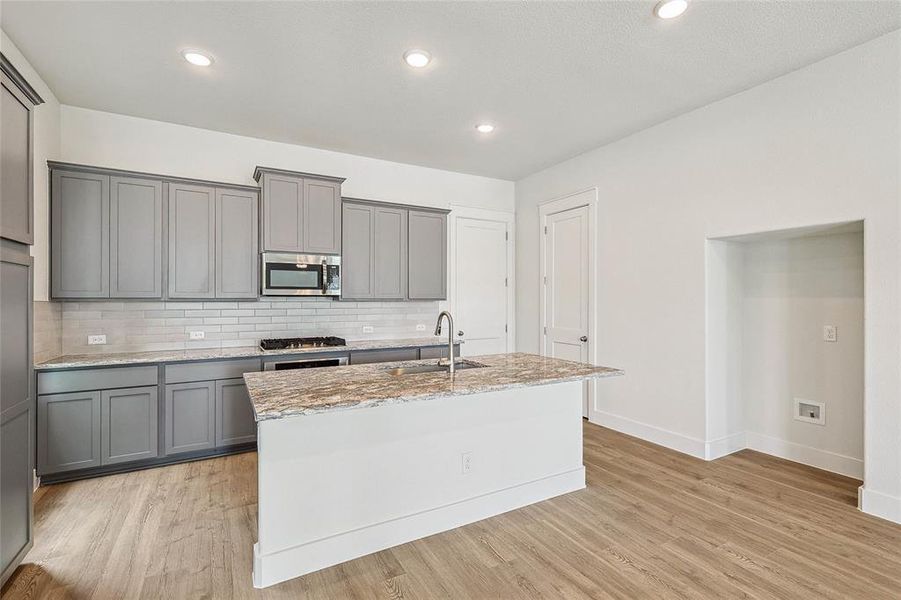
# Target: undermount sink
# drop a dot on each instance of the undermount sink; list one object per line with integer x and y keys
{"x": 458, "y": 366}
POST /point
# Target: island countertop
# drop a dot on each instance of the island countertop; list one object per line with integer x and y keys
{"x": 279, "y": 394}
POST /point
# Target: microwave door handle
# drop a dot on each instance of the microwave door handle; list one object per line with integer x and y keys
{"x": 324, "y": 278}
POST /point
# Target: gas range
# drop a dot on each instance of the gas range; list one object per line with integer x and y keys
{"x": 303, "y": 342}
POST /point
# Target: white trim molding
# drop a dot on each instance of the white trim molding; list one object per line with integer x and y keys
{"x": 650, "y": 433}
{"x": 806, "y": 455}
{"x": 878, "y": 504}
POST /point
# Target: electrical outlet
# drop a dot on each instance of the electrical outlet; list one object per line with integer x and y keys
{"x": 196, "y": 335}
{"x": 94, "y": 340}
{"x": 420, "y": 327}
{"x": 830, "y": 333}
{"x": 467, "y": 462}
{"x": 368, "y": 329}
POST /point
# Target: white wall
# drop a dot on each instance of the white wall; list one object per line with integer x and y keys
{"x": 791, "y": 289}
{"x": 819, "y": 145}
{"x": 46, "y": 147}
{"x": 111, "y": 140}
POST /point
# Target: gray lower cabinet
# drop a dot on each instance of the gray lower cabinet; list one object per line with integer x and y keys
{"x": 237, "y": 257}
{"x": 135, "y": 238}
{"x": 192, "y": 234}
{"x": 17, "y": 406}
{"x": 190, "y": 417}
{"x": 300, "y": 212}
{"x": 79, "y": 235}
{"x": 427, "y": 275}
{"x": 17, "y": 102}
{"x": 235, "y": 423}
{"x": 128, "y": 424}
{"x": 68, "y": 431}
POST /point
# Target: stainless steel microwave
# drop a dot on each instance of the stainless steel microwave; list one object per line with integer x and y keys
{"x": 288, "y": 274}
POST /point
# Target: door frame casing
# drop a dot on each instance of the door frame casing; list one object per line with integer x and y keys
{"x": 587, "y": 197}
{"x": 484, "y": 214}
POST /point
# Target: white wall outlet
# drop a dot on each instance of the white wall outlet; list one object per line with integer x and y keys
{"x": 467, "y": 462}
{"x": 830, "y": 333}
{"x": 368, "y": 328}
{"x": 196, "y": 335}
{"x": 94, "y": 340}
{"x": 420, "y": 327}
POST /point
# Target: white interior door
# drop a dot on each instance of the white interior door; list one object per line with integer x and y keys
{"x": 481, "y": 292}
{"x": 566, "y": 287}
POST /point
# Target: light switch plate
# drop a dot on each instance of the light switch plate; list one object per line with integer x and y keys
{"x": 830, "y": 333}
{"x": 94, "y": 340}
{"x": 196, "y": 335}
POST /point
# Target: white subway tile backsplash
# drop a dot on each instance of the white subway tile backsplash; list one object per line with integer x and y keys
{"x": 145, "y": 326}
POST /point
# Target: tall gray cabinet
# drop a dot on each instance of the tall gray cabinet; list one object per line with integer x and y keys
{"x": 121, "y": 234}
{"x": 300, "y": 212}
{"x": 393, "y": 252}
{"x": 17, "y": 392}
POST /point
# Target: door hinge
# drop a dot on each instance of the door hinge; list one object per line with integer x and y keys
{"x": 506, "y": 282}
{"x": 545, "y": 280}
{"x": 505, "y": 329}
{"x": 545, "y": 230}
{"x": 545, "y": 330}
{"x": 506, "y": 236}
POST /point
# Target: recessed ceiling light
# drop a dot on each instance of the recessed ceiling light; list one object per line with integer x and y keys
{"x": 484, "y": 127}
{"x": 670, "y": 9}
{"x": 417, "y": 58}
{"x": 197, "y": 58}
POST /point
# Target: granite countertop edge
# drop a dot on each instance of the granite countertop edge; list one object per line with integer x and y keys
{"x": 205, "y": 354}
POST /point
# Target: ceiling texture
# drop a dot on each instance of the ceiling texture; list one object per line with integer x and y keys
{"x": 557, "y": 78}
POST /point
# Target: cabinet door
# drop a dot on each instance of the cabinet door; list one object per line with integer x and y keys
{"x": 282, "y": 213}
{"x": 237, "y": 253}
{"x": 128, "y": 424}
{"x": 16, "y": 409}
{"x": 136, "y": 238}
{"x": 356, "y": 259}
{"x": 79, "y": 244}
{"x": 321, "y": 217}
{"x": 190, "y": 416}
{"x": 192, "y": 232}
{"x": 68, "y": 431}
{"x": 16, "y": 206}
{"x": 234, "y": 414}
{"x": 389, "y": 253}
{"x": 427, "y": 275}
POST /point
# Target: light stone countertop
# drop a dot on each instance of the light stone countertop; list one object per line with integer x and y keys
{"x": 169, "y": 356}
{"x": 279, "y": 394}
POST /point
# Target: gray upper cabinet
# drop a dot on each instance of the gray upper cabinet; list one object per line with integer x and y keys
{"x": 234, "y": 414}
{"x": 356, "y": 258}
{"x": 321, "y": 217}
{"x": 129, "y": 424}
{"x": 17, "y": 408}
{"x": 237, "y": 257}
{"x": 379, "y": 259}
{"x": 192, "y": 233}
{"x": 389, "y": 253}
{"x": 136, "y": 238}
{"x": 68, "y": 431}
{"x": 79, "y": 245}
{"x": 17, "y": 102}
{"x": 190, "y": 417}
{"x": 427, "y": 275}
{"x": 300, "y": 212}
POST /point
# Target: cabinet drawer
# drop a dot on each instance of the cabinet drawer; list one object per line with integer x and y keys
{"x": 206, "y": 371}
{"x": 56, "y": 382}
{"x": 390, "y": 355}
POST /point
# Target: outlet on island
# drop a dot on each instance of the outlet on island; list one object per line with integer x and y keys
{"x": 94, "y": 340}
{"x": 368, "y": 329}
{"x": 196, "y": 335}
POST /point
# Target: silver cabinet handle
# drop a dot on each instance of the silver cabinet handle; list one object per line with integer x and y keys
{"x": 584, "y": 338}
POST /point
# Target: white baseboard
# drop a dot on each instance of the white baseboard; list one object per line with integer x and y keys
{"x": 306, "y": 558}
{"x": 807, "y": 455}
{"x": 879, "y": 504}
{"x": 656, "y": 435}
{"x": 725, "y": 446}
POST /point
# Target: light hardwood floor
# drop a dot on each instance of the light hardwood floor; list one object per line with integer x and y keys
{"x": 651, "y": 524}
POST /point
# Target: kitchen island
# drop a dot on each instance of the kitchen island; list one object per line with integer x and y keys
{"x": 357, "y": 459}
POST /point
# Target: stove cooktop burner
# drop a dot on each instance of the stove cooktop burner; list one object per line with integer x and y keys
{"x": 304, "y": 342}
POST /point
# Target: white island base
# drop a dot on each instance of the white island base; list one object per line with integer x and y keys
{"x": 341, "y": 484}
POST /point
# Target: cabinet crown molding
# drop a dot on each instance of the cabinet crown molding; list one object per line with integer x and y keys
{"x": 54, "y": 164}
{"x": 258, "y": 173}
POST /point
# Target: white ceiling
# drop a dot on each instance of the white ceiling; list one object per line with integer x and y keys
{"x": 557, "y": 78}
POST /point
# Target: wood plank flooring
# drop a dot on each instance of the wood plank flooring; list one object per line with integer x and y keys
{"x": 651, "y": 524}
